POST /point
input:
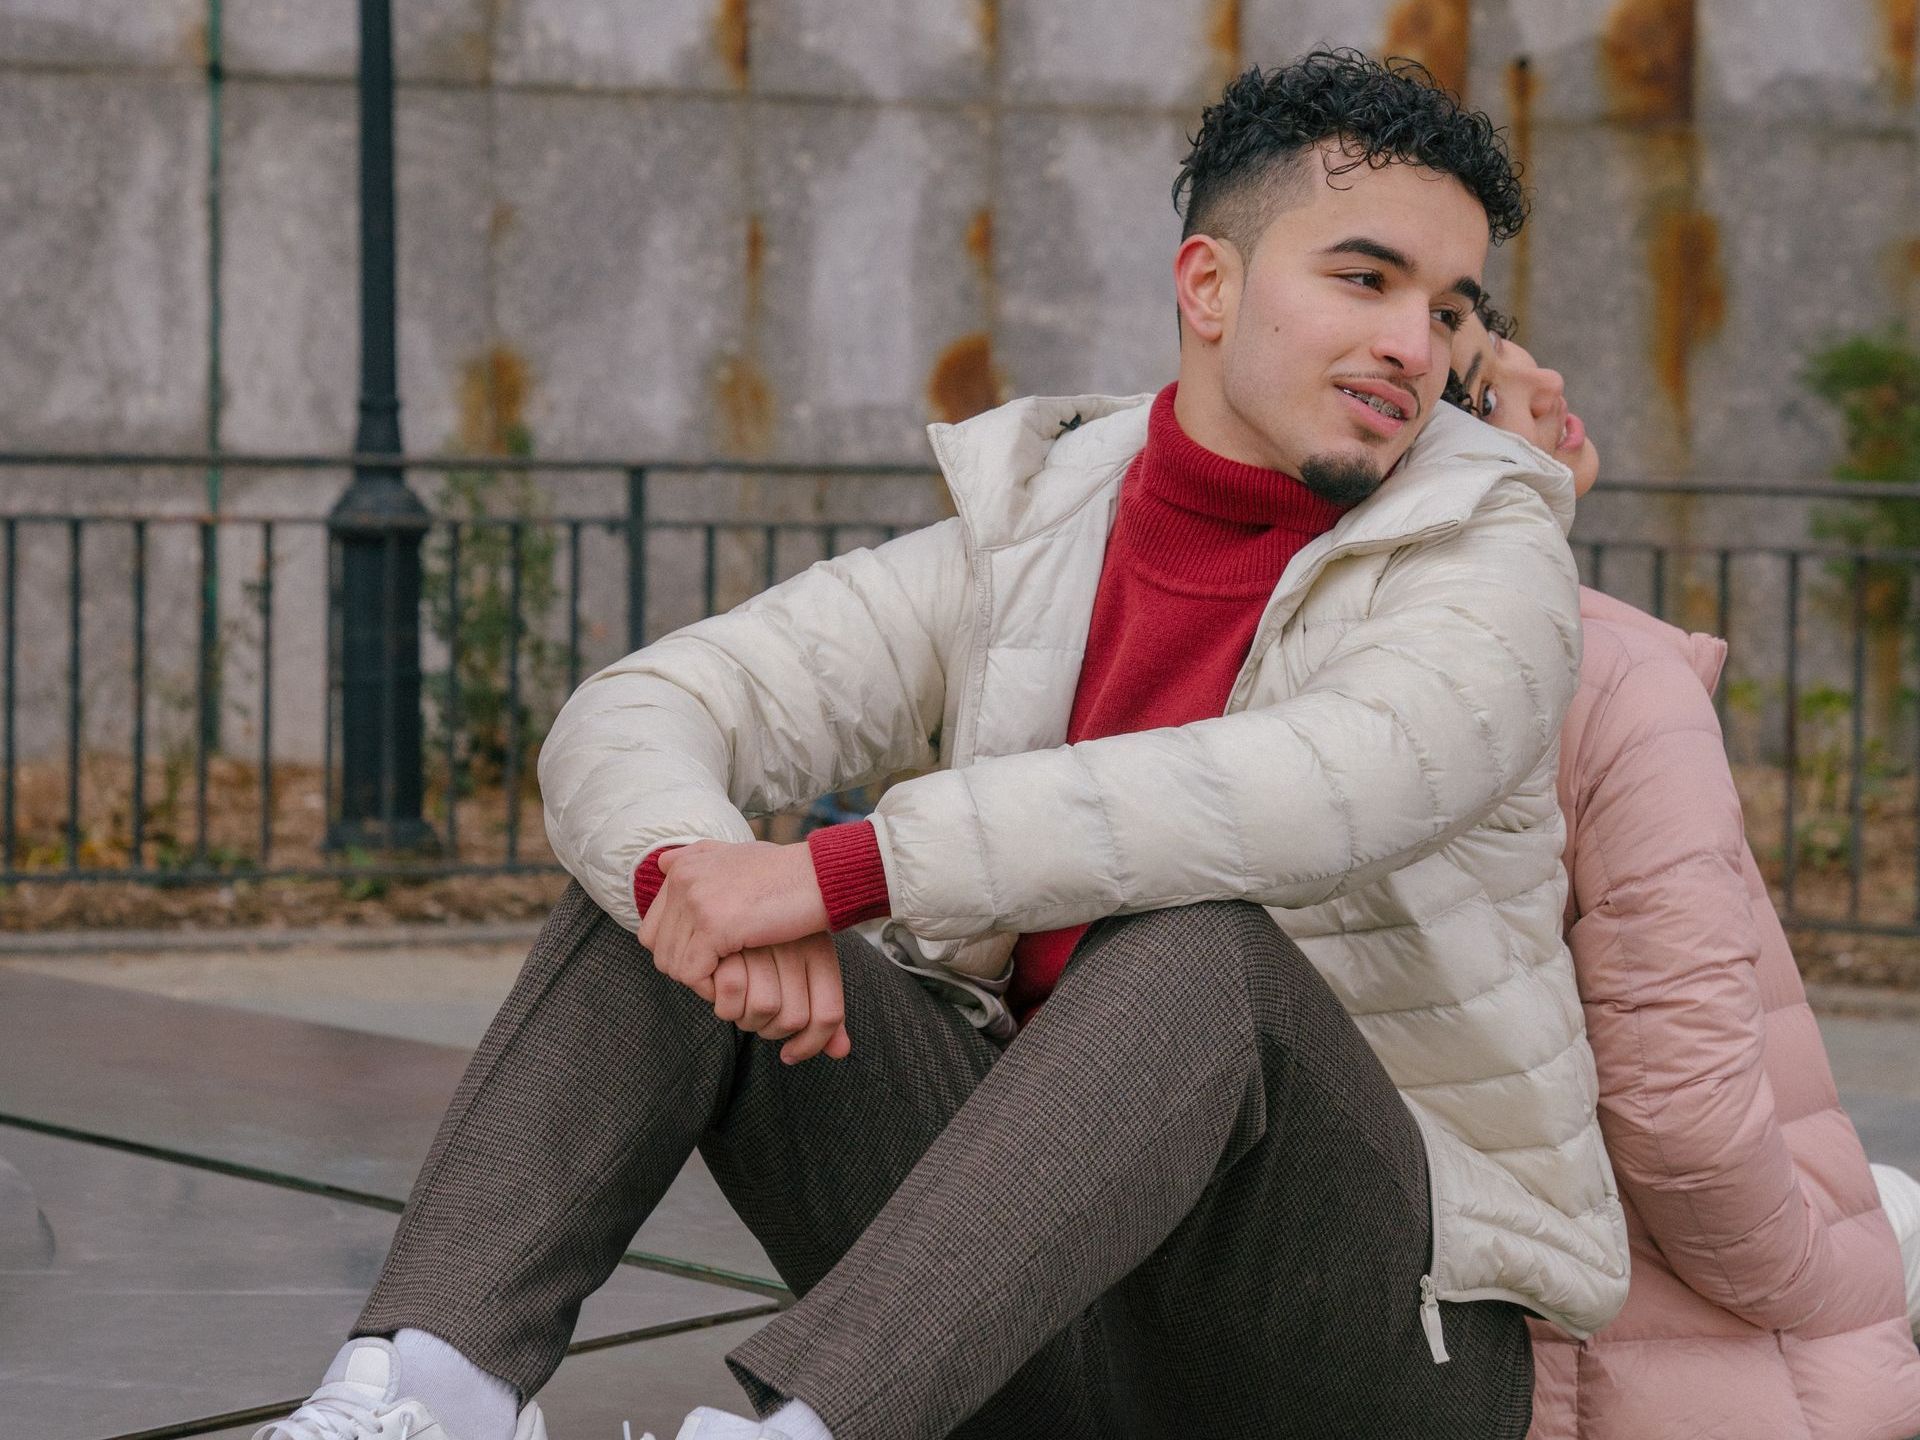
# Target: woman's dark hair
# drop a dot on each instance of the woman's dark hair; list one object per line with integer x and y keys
{"x": 1379, "y": 111}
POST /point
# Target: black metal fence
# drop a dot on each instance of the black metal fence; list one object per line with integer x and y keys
{"x": 161, "y": 674}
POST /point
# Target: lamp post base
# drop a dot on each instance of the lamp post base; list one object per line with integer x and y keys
{"x": 408, "y": 835}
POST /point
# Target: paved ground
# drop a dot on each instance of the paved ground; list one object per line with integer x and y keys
{"x": 218, "y": 1143}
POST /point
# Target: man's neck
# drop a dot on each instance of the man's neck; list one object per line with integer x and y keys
{"x": 1207, "y": 420}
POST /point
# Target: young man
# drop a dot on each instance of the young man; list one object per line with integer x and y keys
{"x": 1288, "y": 633}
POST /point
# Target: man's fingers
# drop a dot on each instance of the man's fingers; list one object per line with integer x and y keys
{"x": 795, "y": 1003}
{"x": 730, "y": 988}
{"x": 840, "y": 1046}
{"x": 826, "y": 1004}
{"x": 763, "y": 992}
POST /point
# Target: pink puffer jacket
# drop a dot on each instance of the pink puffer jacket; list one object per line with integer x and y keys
{"x": 1767, "y": 1297}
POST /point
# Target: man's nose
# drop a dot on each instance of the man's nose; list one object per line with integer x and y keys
{"x": 1406, "y": 340}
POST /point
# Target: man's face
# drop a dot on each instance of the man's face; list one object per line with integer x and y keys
{"x": 1334, "y": 352}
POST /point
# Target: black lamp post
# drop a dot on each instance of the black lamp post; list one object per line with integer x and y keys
{"x": 377, "y": 526}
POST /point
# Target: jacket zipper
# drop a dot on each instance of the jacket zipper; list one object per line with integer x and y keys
{"x": 1430, "y": 1320}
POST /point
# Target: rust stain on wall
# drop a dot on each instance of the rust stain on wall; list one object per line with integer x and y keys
{"x": 756, "y": 266}
{"x": 964, "y": 382}
{"x": 742, "y": 405}
{"x": 1522, "y": 91}
{"x": 475, "y": 50}
{"x": 1902, "y": 268}
{"x": 500, "y": 220}
{"x": 743, "y": 400}
{"x": 1647, "y": 56}
{"x": 1900, "y": 31}
{"x": 980, "y": 241}
{"x": 1689, "y": 297}
{"x": 730, "y": 38}
{"x": 494, "y": 389}
{"x": 1434, "y": 32}
{"x": 1223, "y": 38}
{"x": 194, "y": 44}
{"x": 986, "y": 19}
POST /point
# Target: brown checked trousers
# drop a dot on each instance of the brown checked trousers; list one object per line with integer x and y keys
{"x": 1185, "y": 1202}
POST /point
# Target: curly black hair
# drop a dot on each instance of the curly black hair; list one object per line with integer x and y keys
{"x": 1379, "y": 111}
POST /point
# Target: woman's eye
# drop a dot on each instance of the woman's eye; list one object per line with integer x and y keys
{"x": 1489, "y": 403}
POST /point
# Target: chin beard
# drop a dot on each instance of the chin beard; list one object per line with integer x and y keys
{"x": 1343, "y": 479}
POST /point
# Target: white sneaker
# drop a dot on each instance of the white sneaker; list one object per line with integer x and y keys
{"x": 707, "y": 1424}
{"x": 361, "y": 1405}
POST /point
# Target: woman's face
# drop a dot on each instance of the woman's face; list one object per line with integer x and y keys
{"x": 1508, "y": 388}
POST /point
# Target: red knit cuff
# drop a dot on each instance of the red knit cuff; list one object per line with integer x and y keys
{"x": 853, "y": 882}
{"x": 647, "y": 879}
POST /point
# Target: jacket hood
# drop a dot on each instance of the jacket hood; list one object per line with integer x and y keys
{"x": 1024, "y": 466}
{"x": 1706, "y": 655}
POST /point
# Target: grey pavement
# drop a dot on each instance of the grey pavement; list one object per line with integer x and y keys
{"x": 216, "y": 1145}
{"x": 1876, "y": 1063}
{"x": 217, "y": 1141}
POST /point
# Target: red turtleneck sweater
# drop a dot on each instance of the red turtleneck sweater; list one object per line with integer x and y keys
{"x": 1197, "y": 548}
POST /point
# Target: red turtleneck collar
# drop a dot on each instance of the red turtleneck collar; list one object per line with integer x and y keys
{"x": 1198, "y": 523}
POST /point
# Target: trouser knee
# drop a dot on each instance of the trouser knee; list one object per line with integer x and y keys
{"x": 1196, "y": 959}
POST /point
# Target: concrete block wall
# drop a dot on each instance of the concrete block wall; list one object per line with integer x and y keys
{"x": 801, "y": 229}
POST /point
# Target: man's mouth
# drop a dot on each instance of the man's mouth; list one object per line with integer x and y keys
{"x": 1378, "y": 402}
{"x": 1382, "y": 408}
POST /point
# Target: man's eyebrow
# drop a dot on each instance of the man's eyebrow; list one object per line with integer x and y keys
{"x": 1466, "y": 286}
{"x": 1372, "y": 249}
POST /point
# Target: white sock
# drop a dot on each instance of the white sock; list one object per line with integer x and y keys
{"x": 468, "y": 1402}
{"x": 796, "y": 1421}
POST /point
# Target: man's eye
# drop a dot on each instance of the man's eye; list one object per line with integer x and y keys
{"x": 1489, "y": 403}
{"x": 1368, "y": 278}
{"x": 1452, "y": 319}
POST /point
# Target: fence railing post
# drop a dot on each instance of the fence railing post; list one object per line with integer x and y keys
{"x": 636, "y": 558}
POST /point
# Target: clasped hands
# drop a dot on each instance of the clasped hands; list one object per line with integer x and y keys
{"x": 743, "y": 926}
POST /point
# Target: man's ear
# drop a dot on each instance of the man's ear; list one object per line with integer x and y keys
{"x": 1206, "y": 281}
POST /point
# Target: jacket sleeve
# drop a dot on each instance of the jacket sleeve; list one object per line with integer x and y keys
{"x": 1666, "y": 945}
{"x": 1428, "y": 712}
{"x": 830, "y": 680}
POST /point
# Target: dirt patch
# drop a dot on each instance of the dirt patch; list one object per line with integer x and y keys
{"x": 234, "y": 893}
{"x": 1823, "y": 884}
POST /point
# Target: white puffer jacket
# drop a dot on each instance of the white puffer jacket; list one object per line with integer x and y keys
{"x": 1383, "y": 779}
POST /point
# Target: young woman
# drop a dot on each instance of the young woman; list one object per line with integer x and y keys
{"x": 1767, "y": 1294}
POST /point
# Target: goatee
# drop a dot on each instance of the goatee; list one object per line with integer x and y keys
{"x": 1343, "y": 479}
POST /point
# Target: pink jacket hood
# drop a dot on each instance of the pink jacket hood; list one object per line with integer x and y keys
{"x": 1766, "y": 1295}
